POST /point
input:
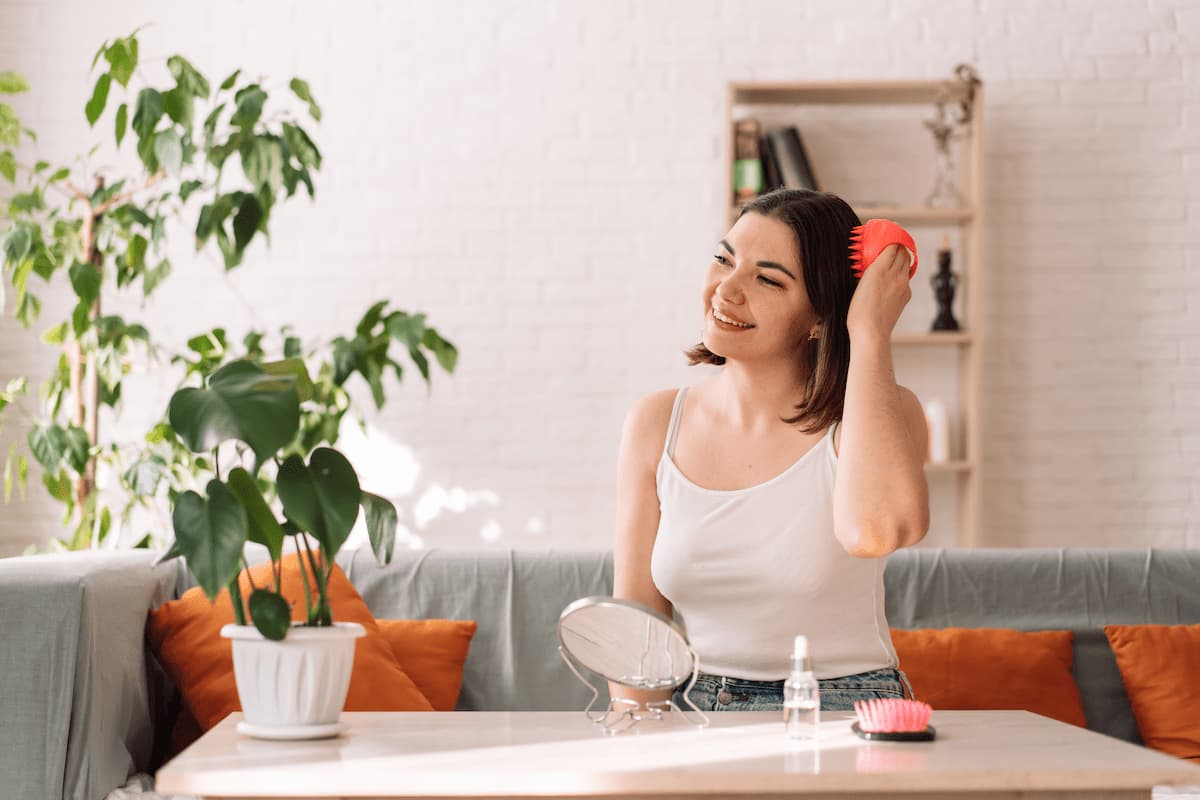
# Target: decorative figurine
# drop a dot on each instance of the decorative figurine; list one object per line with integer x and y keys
{"x": 944, "y": 283}
{"x": 949, "y": 125}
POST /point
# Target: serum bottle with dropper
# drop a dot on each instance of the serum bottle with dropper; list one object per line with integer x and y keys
{"x": 801, "y": 695}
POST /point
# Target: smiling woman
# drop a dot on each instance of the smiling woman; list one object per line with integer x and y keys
{"x": 757, "y": 503}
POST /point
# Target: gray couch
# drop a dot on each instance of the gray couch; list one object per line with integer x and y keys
{"x": 83, "y": 706}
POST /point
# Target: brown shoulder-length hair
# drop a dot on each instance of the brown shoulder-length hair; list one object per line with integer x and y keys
{"x": 821, "y": 224}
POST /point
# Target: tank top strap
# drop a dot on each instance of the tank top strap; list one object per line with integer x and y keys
{"x": 673, "y": 428}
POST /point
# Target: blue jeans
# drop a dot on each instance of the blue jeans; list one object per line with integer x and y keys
{"x": 720, "y": 693}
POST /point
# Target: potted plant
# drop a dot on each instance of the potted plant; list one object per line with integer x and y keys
{"x": 291, "y": 678}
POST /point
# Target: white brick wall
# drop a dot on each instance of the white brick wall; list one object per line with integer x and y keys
{"x": 545, "y": 180}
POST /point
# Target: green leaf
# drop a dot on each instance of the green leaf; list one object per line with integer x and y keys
{"x": 302, "y": 91}
{"x": 22, "y": 474}
{"x": 48, "y": 443}
{"x": 232, "y": 79}
{"x": 154, "y": 276}
{"x": 250, "y": 100}
{"x": 264, "y": 164}
{"x": 263, "y": 528}
{"x": 169, "y": 151}
{"x": 211, "y": 534}
{"x": 241, "y": 402}
{"x": 95, "y": 106}
{"x": 121, "y": 122}
{"x": 59, "y": 174}
{"x": 321, "y": 497}
{"x": 8, "y": 166}
{"x": 17, "y": 244}
{"x": 58, "y": 485}
{"x": 28, "y": 309}
{"x": 144, "y": 475}
{"x": 370, "y": 319}
{"x": 179, "y": 106}
{"x": 77, "y": 448}
{"x": 10, "y": 126}
{"x": 381, "y": 525}
{"x": 135, "y": 253}
{"x": 8, "y": 476}
{"x": 187, "y": 188}
{"x": 446, "y": 353}
{"x": 301, "y": 146}
{"x": 12, "y": 82}
{"x": 291, "y": 347}
{"x": 187, "y": 77}
{"x": 296, "y": 368}
{"x": 147, "y": 110}
{"x": 56, "y": 334}
{"x": 245, "y": 223}
{"x": 121, "y": 56}
{"x": 85, "y": 280}
{"x": 270, "y": 613}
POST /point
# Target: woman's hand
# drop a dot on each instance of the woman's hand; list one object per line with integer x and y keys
{"x": 881, "y": 295}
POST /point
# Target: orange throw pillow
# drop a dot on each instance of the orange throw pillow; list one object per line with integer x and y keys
{"x": 1158, "y": 666}
{"x": 992, "y": 668}
{"x": 185, "y": 635}
{"x": 432, "y": 652}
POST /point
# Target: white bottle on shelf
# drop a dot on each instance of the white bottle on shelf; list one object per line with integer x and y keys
{"x": 937, "y": 419}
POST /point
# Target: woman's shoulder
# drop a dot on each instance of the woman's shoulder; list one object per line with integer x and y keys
{"x": 647, "y": 421}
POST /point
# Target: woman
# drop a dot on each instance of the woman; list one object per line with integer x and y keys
{"x": 759, "y": 503}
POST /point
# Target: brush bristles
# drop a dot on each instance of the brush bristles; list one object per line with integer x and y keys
{"x": 892, "y": 716}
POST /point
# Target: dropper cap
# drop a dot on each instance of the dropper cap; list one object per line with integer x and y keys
{"x": 800, "y": 648}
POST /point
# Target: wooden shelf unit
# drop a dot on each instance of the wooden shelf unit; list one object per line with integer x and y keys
{"x": 966, "y": 468}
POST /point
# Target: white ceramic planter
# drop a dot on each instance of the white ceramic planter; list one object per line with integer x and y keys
{"x": 293, "y": 689}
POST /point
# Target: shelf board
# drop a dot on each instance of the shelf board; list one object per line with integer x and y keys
{"x": 918, "y": 215}
{"x": 957, "y": 338}
{"x": 911, "y": 215}
{"x": 843, "y": 92}
{"x": 955, "y": 467}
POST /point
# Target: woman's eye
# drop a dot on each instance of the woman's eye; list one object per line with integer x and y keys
{"x": 768, "y": 281}
{"x": 722, "y": 260}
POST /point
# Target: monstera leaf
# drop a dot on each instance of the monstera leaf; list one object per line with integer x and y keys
{"x": 210, "y": 534}
{"x": 320, "y": 497}
{"x": 241, "y": 402}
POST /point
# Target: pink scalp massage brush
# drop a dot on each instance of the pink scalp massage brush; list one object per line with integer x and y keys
{"x": 889, "y": 720}
{"x": 868, "y": 240}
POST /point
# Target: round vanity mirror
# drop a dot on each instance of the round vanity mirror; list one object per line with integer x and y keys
{"x": 628, "y": 643}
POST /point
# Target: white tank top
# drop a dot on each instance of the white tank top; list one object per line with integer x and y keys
{"x": 748, "y": 569}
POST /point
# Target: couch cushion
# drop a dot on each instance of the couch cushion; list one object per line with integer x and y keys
{"x": 992, "y": 668}
{"x": 185, "y": 635}
{"x": 1158, "y": 665}
{"x": 432, "y": 653}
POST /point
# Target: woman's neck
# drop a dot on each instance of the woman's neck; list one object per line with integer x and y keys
{"x": 754, "y": 397}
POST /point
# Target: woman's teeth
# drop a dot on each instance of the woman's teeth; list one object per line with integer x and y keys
{"x": 729, "y": 321}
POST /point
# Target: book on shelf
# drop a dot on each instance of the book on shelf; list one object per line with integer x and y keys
{"x": 747, "y": 163}
{"x": 795, "y": 170}
{"x": 771, "y": 177}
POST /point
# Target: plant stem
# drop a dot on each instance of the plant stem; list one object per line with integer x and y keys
{"x": 235, "y": 594}
{"x": 318, "y": 578}
{"x": 249, "y": 577}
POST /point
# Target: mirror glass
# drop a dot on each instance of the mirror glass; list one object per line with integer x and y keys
{"x": 625, "y": 642}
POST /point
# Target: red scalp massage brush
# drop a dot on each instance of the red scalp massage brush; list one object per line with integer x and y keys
{"x": 893, "y": 720}
{"x": 867, "y": 241}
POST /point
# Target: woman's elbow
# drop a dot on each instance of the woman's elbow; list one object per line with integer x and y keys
{"x": 876, "y": 540}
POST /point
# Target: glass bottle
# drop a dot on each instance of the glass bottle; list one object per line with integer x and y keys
{"x": 801, "y": 695}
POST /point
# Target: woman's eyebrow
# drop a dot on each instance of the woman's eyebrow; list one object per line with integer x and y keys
{"x": 767, "y": 264}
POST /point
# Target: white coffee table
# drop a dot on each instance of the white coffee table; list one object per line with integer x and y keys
{"x": 978, "y": 754}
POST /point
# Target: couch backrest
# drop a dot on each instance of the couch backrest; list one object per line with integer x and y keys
{"x": 516, "y": 597}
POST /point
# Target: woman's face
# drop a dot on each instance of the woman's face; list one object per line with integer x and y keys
{"x": 754, "y": 281}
